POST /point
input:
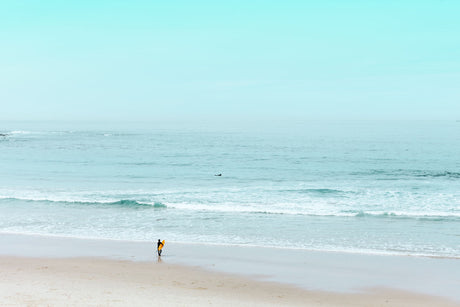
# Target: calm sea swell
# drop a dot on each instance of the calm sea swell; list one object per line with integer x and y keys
{"x": 339, "y": 186}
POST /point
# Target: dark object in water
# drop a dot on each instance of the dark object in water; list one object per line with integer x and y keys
{"x": 218, "y": 175}
{"x": 3, "y": 134}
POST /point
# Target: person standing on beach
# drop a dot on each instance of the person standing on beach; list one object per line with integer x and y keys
{"x": 159, "y": 247}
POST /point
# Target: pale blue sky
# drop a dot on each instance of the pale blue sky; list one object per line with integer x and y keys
{"x": 147, "y": 60}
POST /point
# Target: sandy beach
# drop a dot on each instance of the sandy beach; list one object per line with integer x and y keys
{"x": 64, "y": 271}
{"x": 84, "y": 281}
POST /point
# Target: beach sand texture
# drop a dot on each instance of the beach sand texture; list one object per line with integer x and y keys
{"x": 102, "y": 282}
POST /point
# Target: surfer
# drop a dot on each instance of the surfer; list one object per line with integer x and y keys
{"x": 159, "y": 247}
{"x": 218, "y": 175}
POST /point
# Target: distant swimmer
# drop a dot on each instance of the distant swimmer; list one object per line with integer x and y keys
{"x": 160, "y": 245}
{"x": 218, "y": 175}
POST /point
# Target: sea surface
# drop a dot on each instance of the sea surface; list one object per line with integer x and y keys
{"x": 383, "y": 187}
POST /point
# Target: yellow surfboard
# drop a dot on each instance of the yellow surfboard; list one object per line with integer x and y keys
{"x": 161, "y": 245}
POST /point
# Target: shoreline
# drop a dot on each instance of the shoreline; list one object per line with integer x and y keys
{"x": 230, "y": 245}
{"x": 327, "y": 274}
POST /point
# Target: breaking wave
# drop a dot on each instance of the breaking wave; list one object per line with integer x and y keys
{"x": 287, "y": 209}
{"x": 403, "y": 173}
{"x": 120, "y": 203}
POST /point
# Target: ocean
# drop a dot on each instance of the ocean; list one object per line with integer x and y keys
{"x": 377, "y": 187}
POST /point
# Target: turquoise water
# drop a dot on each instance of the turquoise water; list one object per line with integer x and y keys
{"x": 366, "y": 187}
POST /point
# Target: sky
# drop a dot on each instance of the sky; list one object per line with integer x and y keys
{"x": 151, "y": 60}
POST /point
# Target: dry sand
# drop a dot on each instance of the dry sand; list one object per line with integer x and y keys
{"x": 105, "y": 282}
